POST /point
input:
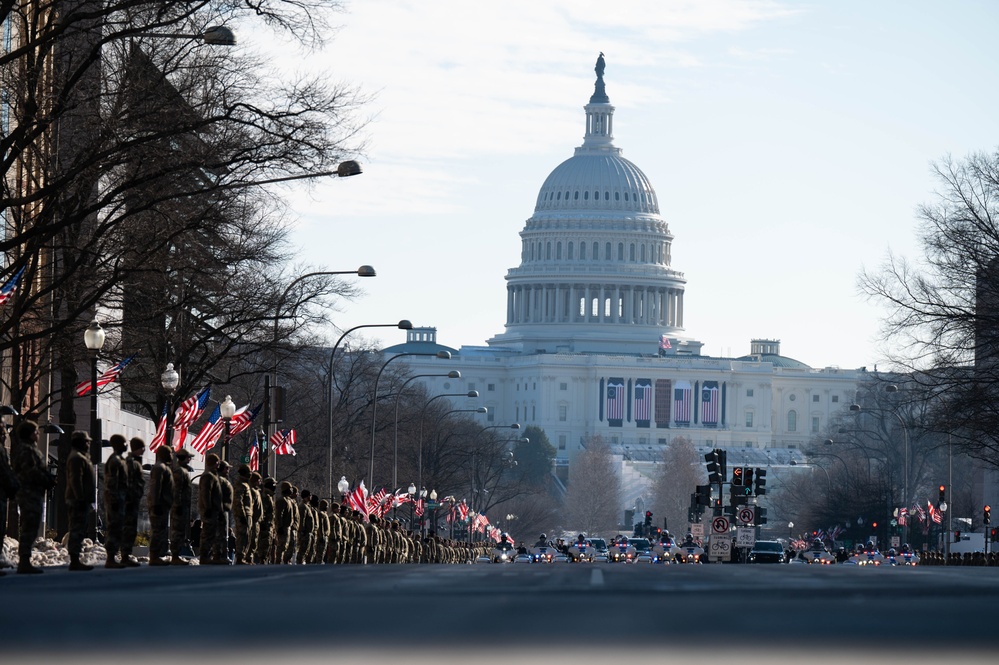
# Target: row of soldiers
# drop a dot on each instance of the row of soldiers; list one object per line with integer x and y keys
{"x": 272, "y": 523}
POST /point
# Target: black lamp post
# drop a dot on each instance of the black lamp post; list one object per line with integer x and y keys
{"x": 169, "y": 380}
{"x": 343, "y": 487}
{"x": 412, "y": 505}
{"x": 423, "y": 517}
{"x": 93, "y": 338}
{"x": 227, "y": 409}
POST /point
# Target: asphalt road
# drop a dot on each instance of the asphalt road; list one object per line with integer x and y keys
{"x": 530, "y": 613}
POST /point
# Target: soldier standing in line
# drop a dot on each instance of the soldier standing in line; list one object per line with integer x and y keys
{"x": 222, "y": 539}
{"x": 159, "y": 502}
{"x": 284, "y": 519}
{"x": 133, "y": 500}
{"x": 8, "y": 489}
{"x": 210, "y": 508}
{"x": 32, "y": 473}
{"x": 296, "y": 522}
{"x": 242, "y": 513}
{"x": 306, "y": 528}
{"x": 258, "y": 514}
{"x": 325, "y": 527}
{"x": 265, "y": 538}
{"x": 180, "y": 511}
{"x": 115, "y": 495}
{"x": 80, "y": 494}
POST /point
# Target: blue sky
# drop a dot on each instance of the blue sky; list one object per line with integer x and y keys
{"x": 789, "y": 144}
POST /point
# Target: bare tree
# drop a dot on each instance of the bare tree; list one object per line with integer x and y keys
{"x": 677, "y": 476}
{"x": 592, "y": 502}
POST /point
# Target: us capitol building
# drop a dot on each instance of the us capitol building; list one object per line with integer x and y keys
{"x": 595, "y": 342}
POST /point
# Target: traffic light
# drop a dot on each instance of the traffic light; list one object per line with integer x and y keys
{"x": 747, "y": 478}
{"x": 761, "y": 515}
{"x": 957, "y": 536}
{"x": 714, "y": 467}
{"x": 703, "y": 495}
{"x": 737, "y": 477}
{"x": 648, "y": 521}
{"x": 988, "y": 515}
{"x": 943, "y": 494}
{"x": 761, "y": 482}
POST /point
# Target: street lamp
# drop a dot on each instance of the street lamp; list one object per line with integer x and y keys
{"x": 453, "y": 374}
{"x": 423, "y": 412}
{"x": 905, "y": 471}
{"x": 169, "y": 380}
{"x": 343, "y": 487}
{"x": 433, "y": 507}
{"x": 214, "y": 35}
{"x": 412, "y": 504}
{"x": 363, "y": 271}
{"x": 227, "y": 409}
{"x": 443, "y": 355}
{"x": 93, "y": 338}
{"x": 790, "y": 525}
{"x": 423, "y": 519}
{"x": 401, "y": 325}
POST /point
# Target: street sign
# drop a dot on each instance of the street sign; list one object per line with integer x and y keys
{"x": 745, "y": 536}
{"x": 432, "y": 505}
{"x": 697, "y": 530}
{"x": 896, "y": 541}
{"x": 746, "y": 515}
{"x": 720, "y": 548}
{"x": 720, "y": 525}
{"x": 244, "y": 459}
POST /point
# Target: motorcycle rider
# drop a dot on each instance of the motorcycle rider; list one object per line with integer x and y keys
{"x": 542, "y": 541}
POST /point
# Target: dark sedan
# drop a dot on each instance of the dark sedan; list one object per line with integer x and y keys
{"x": 767, "y": 551}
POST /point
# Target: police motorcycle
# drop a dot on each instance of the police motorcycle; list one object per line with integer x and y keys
{"x": 542, "y": 551}
{"x": 817, "y": 554}
{"x": 867, "y": 555}
{"x": 666, "y": 550}
{"x": 580, "y": 551}
{"x": 904, "y": 557}
{"x": 504, "y": 552}
{"x": 690, "y": 551}
{"x": 620, "y": 550}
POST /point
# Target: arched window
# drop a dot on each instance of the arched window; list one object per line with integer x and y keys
{"x": 569, "y": 252}
{"x": 548, "y": 250}
{"x": 586, "y": 196}
{"x": 582, "y": 251}
{"x": 620, "y": 251}
{"x": 617, "y": 196}
{"x": 575, "y": 197}
{"x": 792, "y": 421}
{"x": 631, "y": 252}
{"x": 532, "y": 251}
{"x": 643, "y": 253}
{"x": 559, "y": 197}
{"x": 558, "y": 251}
{"x": 596, "y": 251}
{"x": 606, "y": 196}
{"x": 607, "y": 252}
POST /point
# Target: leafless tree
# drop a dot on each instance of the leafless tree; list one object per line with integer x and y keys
{"x": 592, "y": 501}
{"x": 679, "y": 472}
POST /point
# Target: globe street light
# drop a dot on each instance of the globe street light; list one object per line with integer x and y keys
{"x": 93, "y": 339}
{"x": 401, "y": 325}
{"x": 169, "y": 380}
{"x": 343, "y": 487}
{"x": 227, "y": 409}
{"x": 443, "y": 355}
{"x": 412, "y": 504}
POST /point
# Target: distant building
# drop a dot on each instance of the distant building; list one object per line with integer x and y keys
{"x": 595, "y": 341}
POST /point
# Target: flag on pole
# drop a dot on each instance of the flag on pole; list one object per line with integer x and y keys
{"x": 463, "y": 510}
{"x": 283, "y": 441}
{"x": 242, "y": 419}
{"x": 615, "y": 399}
{"x": 189, "y": 411}
{"x": 357, "y": 500}
{"x": 210, "y": 432}
{"x": 159, "y": 438}
{"x": 109, "y": 376}
{"x": 7, "y": 290}
{"x": 664, "y": 344}
{"x": 254, "y": 456}
{"x": 418, "y": 507}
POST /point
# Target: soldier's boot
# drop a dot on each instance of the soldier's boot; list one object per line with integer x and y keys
{"x": 112, "y": 563}
{"x": 177, "y": 561}
{"x": 28, "y": 569}
{"x": 76, "y": 564}
{"x": 128, "y": 562}
{"x": 157, "y": 561}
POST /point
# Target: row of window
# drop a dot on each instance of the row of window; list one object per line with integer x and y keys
{"x": 792, "y": 397}
{"x": 637, "y": 197}
{"x": 535, "y": 251}
{"x": 792, "y": 421}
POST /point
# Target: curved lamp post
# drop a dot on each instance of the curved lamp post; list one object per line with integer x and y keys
{"x": 423, "y": 413}
{"x": 93, "y": 338}
{"x": 401, "y": 325}
{"x": 443, "y": 355}
{"x": 453, "y": 374}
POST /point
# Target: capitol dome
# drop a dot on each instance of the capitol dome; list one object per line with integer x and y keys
{"x": 596, "y": 271}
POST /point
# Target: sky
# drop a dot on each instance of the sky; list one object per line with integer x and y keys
{"x": 789, "y": 143}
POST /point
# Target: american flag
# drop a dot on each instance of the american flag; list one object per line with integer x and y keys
{"x": 920, "y": 513}
{"x": 210, "y": 432}
{"x": 418, "y": 507}
{"x": 903, "y": 516}
{"x": 681, "y": 403}
{"x": 399, "y": 498}
{"x": 189, "y": 411}
{"x": 643, "y": 400}
{"x": 254, "y": 455}
{"x": 109, "y": 376}
{"x": 242, "y": 419}
{"x": 357, "y": 500}
{"x": 615, "y": 399}
{"x": 7, "y": 291}
{"x": 709, "y": 403}
{"x": 496, "y": 535}
{"x": 664, "y": 343}
{"x": 283, "y": 442}
{"x": 935, "y": 514}
{"x": 159, "y": 438}
{"x": 463, "y": 510}
{"x": 375, "y": 502}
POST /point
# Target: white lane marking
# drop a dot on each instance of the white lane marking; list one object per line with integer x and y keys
{"x": 596, "y": 577}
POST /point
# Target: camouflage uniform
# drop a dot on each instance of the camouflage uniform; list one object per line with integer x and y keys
{"x": 221, "y": 550}
{"x": 265, "y": 540}
{"x": 257, "y": 516}
{"x": 210, "y": 508}
{"x": 284, "y": 519}
{"x": 323, "y": 540}
{"x": 8, "y": 485}
{"x": 180, "y": 511}
{"x": 115, "y": 495}
{"x": 242, "y": 513}
{"x": 296, "y": 522}
{"x": 133, "y": 499}
{"x": 159, "y": 502}
{"x": 29, "y": 466}
{"x": 80, "y": 495}
{"x": 306, "y": 535}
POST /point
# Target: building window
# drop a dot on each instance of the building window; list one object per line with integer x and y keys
{"x": 749, "y": 392}
{"x": 835, "y": 399}
{"x": 749, "y": 418}
{"x": 662, "y": 442}
{"x": 534, "y": 386}
{"x": 563, "y": 386}
{"x": 491, "y": 387}
{"x": 569, "y": 252}
{"x": 792, "y": 421}
{"x": 792, "y": 397}
{"x": 561, "y": 441}
{"x": 749, "y": 444}
{"x": 815, "y": 424}
{"x": 491, "y": 414}
{"x": 582, "y": 251}
{"x": 815, "y": 398}
{"x": 563, "y": 412}
{"x": 517, "y": 416}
